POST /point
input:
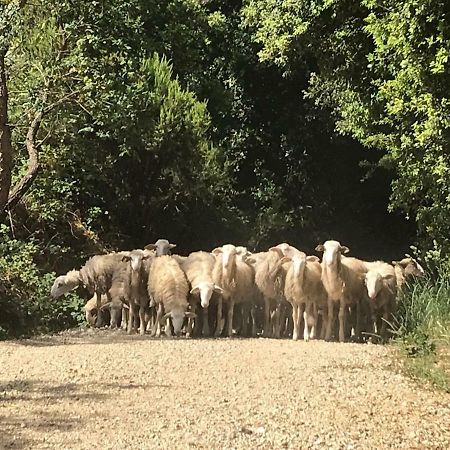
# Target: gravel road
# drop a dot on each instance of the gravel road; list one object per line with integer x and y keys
{"x": 105, "y": 390}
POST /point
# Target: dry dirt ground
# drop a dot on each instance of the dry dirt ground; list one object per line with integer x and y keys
{"x": 105, "y": 390}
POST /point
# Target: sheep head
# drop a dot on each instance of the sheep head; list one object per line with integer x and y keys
{"x": 410, "y": 267}
{"x": 135, "y": 257}
{"x": 161, "y": 246}
{"x": 65, "y": 283}
{"x": 375, "y": 281}
{"x": 206, "y": 290}
{"x": 332, "y": 251}
{"x": 178, "y": 315}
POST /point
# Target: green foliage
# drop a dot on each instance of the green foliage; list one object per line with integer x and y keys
{"x": 423, "y": 320}
{"x": 24, "y": 286}
{"x": 381, "y": 67}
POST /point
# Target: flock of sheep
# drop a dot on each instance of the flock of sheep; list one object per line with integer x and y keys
{"x": 280, "y": 292}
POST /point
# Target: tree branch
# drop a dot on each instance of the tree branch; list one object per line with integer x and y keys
{"x": 24, "y": 184}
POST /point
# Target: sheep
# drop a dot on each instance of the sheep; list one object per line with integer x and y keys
{"x": 168, "y": 288}
{"x": 135, "y": 287}
{"x": 381, "y": 285}
{"x": 245, "y": 290}
{"x": 305, "y": 291}
{"x": 269, "y": 280}
{"x": 198, "y": 267}
{"x": 96, "y": 275}
{"x": 224, "y": 275}
{"x": 407, "y": 268}
{"x": 161, "y": 246}
{"x": 343, "y": 279}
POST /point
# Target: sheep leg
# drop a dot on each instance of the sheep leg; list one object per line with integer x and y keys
{"x": 130, "y": 319}
{"x": 230, "y": 318}
{"x": 253, "y": 316}
{"x": 168, "y": 328}
{"x": 312, "y": 334}
{"x": 205, "y": 327}
{"x": 306, "y": 323}
{"x": 324, "y": 324}
{"x": 296, "y": 331}
{"x": 99, "y": 321}
{"x": 330, "y": 320}
{"x": 358, "y": 321}
{"x": 384, "y": 323}
{"x": 157, "y": 326}
{"x": 342, "y": 308}
{"x": 277, "y": 322}
{"x": 124, "y": 323}
{"x": 267, "y": 319}
{"x": 218, "y": 331}
{"x": 142, "y": 318}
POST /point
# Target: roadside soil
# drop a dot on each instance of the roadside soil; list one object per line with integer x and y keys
{"x": 100, "y": 389}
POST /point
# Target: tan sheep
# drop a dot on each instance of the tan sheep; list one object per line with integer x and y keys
{"x": 90, "y": 309}
{"x": 96, "y": 275}
{"x": 381, "y": 285}
{"x": 405, "y": 269}
{"x": 305, "y": 291}
{"x": 343, "y": 279}
{"x": 168, "y": 287}
{"x": 135, "y": 287}
{"x": 270, "y": 273}
{"x": 224, "y": 275}
{"x": 198, "y": 267}
{"x": 245, "y": 291}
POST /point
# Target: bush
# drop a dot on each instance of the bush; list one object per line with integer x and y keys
{"x": 422, "y": 322}
{"x": 24, "y": 292}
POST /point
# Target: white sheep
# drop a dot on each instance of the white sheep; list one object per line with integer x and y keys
{"x": 224, "y": 275}
{"x": 343, "y": 279}
{"x": 381, "y": 285}
{"x": 270, "y": 273}
{"x": 198, "y": 267}
{"x": 135, "y": 287}
{"x": 161, "y": 247}
{"x": 305, "y": 291}
{"x": 168, "y": 287}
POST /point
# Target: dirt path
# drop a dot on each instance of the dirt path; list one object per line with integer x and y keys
{"x": 110, "y": 391}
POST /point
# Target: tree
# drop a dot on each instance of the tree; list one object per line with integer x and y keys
{"x": 381, "y": 67}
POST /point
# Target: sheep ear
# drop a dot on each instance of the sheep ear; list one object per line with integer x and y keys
{"x": 344, "y": 249}
{"x": 218, "y": 289}
{"x": 195, "y": 290}
{"x": 105, "y": 306}
{"x": 250, "y": 260}
{"x": 190, "y": 314}
{"x": 285, "y": 259}
{"x": 150, "y": 247}
{"x": 217, "y": 251}
{"x": 389, "y": 277}
{"x": 166, "y": 316}
{"x": 124, "y": 305}
{"x": 312, "y": 258}
{"x": 172, "y": 245}
{"x": 320, "y": 248}
{"x": 126, "y": 258}
{"x": 277, "y": 250}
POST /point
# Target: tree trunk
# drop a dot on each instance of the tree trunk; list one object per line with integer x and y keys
{"x": 5, "y": 137}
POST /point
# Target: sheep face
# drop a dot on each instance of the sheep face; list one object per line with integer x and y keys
{"x": 332, "y": 251}
{"x": 136, "y": 257}
{"x": 178, "y": 315}
{"x": 374, "y": 283}
{"x": 206, "y": 290}
{"x": 299, "y": 263}
{"x": 228, "y": 253}
{"x": 65, "y": 283}
{"x": 161, "y": 246}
